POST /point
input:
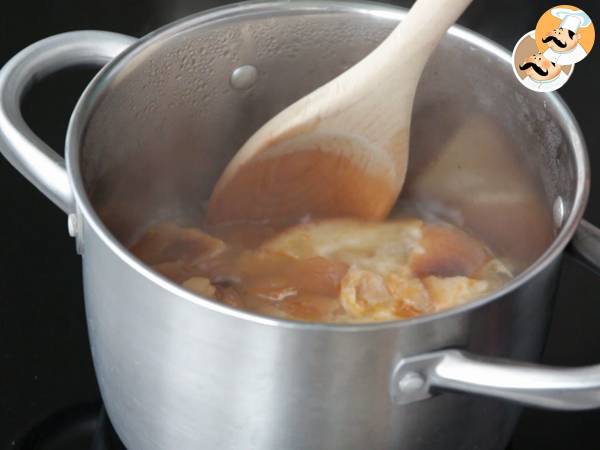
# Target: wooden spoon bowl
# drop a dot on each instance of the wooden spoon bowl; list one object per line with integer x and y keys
{"x": 343, "y": 149}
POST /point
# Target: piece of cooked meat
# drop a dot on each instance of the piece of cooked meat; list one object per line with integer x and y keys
{"x": 171, "y": 242}
{"x": 383, "y": 247}
{"x": 454, "y": 291}
{"x": 200, "y": 286}
{"x": 448, "y": 252}
{"x": 338, "y": 270}
{"x": 372, "y": 296}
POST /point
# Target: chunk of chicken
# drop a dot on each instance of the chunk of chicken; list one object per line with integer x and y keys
{"x": 453, "y": 291}
{"x": 200, "y": 286}
{"x": 170, "y": 242}
{"x": 448, "y": 252}
{"x": 368, "y": 295}
{"x": 338, "y": 270}
{"x": 381, "y": 247}
{"x": 277, "y": 277}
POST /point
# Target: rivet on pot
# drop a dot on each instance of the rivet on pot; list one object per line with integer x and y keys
{"x": 558, "y": 211}
{"x": 72, "y": 225}
{"x": 411, "y": 382}
{"x": 243, "y": 77}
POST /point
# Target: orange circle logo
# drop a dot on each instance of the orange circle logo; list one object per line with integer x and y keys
{"x": 565, "y": 34}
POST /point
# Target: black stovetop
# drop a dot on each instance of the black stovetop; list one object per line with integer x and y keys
{"x": 48, "y": 393}
{"x": 84, "y": 426}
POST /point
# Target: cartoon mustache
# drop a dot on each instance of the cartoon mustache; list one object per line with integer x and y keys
{"x": 556, "y": 41}
{"x": 535, "y": 67}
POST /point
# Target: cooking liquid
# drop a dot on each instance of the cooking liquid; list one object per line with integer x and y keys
{"x": 336, "y": 270}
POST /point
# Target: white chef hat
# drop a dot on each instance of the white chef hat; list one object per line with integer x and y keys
{"x": 570, "y": 19}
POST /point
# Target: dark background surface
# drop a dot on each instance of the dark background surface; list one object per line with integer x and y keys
{"x": 45, "y": 363}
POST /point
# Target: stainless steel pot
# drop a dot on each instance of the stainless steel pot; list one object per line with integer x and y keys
{"x": 147, "y": 140}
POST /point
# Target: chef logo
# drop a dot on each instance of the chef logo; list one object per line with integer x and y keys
{"x": 565, "y": 34}
{"x": 544, "y": 59}
{"x": 534, "y": 70}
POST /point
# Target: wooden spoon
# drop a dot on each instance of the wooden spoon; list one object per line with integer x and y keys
{"x": 343, "y": 149}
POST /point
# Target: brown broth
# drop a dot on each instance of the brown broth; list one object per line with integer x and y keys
{"x": 337, "y": 270}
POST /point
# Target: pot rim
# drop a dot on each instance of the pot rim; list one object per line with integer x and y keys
{"x": 97, "y": 87}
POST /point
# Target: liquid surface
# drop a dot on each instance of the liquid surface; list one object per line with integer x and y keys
{"x": 335, "y": 270}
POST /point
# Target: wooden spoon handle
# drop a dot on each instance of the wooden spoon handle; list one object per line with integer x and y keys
{"x": 429, "y": 19}
{"x": 409, "y": 46}
{"x": 392, "y": 70}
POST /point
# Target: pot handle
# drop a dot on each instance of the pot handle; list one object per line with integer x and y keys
{"x": 24, "y": 150}
{"x": 419, "y": 377}
{"x": 585, "y": 246}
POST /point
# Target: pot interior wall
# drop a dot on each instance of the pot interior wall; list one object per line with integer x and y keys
{"x": 485, "y": 153}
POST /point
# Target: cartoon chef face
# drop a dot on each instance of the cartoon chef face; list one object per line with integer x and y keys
{"x": 537, "y": 67}
{"x": 562, "y": 39}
